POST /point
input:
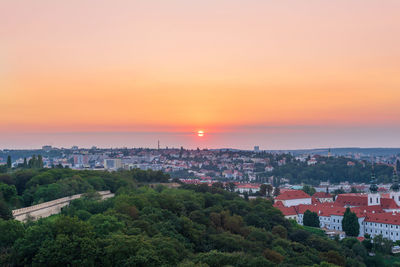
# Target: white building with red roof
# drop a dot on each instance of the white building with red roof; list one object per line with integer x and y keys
{"x": 291, "y": 198}
{"x": 385, "y": 224}
{"x": 323, "y": 197}
{"x": 378, "y": 214}
{"x": 248, "y": 188}
{"x": 288, "y": 212}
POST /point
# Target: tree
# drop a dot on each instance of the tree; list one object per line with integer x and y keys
{"x": 10, "y": 231}
{"x": 9, "y": 162}
{"x": 381, "y": 244}
{"x": 231, "y": 187}
{"x": 354, "y": 190}
{"x": 263, "y": 190}
{"x": 32, "y": 162}
{"x": 339, "y": 191}
{"x": 273, "y": 256}
{"x": 309, "y": 190}
{"x": 217, "y": 185}
{"x": 269, "y": 190}
{"x": 350, "y": 223}
{"x": 25, "y": 165}
{"x": 280, "y": 231}
{"x": 40, "y": 162}
{"x": 334, "y": 257}
{"x": 7, "y": 192}
{"x": 5, "y": 212}
{"x": 277, "y": 191}
{"x": 310, "y": 219}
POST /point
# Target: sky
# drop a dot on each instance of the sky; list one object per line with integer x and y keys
{"x": 277, "y": 74}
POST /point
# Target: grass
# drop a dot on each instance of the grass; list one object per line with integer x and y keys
{"x": 314, "y": 230}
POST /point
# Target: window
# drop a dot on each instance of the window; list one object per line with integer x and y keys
{"x": 399, "y": 198}
{"x": 377, "y": 200}
{"x": 370, "y": 200}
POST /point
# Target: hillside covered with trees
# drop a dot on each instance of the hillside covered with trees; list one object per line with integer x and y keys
{"x": 144, "y": 226}
{"x": 332, "y": 169}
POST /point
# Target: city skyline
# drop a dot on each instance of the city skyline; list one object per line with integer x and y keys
{"x": 280, "y": 75}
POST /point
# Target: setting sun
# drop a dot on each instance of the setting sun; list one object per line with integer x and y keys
{"x": 200, "y": 133}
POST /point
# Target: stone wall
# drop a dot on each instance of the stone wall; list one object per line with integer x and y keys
{"x": 49, "y": 208}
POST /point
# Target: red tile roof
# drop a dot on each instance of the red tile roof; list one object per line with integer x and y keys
{"x": 386, "y": 218}
{"x": 323, "y": 210}
{"x": 352, "y": 199}
{"x": 389, "y": 204}
{"x": 322, "y": 195}
{"x": 251, "y": 186}
{"x": 361, "y": 238}
{"x": 287, "y": 211}
{"x": 292, "y": 194}
{"x": 369, "y": 209}
{"x": 314, "y": 200}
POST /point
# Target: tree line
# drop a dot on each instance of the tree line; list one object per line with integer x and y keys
{"x": 146, "y": 226}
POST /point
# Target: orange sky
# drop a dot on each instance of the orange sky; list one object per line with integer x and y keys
{"x": 177, "y": 65}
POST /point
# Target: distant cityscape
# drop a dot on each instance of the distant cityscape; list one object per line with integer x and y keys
{"x": 208, "y": 166}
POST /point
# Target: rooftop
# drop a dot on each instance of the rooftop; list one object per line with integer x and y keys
{"x": 292, "y": 194}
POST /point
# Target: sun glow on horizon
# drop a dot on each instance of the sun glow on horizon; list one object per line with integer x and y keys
{"x": 213, "y": 64}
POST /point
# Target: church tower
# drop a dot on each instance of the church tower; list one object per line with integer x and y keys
{"x": 395, "y": 188}
{"x": 374, "y": 198}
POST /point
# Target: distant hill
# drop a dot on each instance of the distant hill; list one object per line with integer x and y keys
{"x": 344, "y": 151}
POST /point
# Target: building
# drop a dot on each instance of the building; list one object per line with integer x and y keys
{"x": 256, "y": 149}
{"x": 47, "y": 148}
{"x": 385, "y": 224}
{"x": 323, "y": 197}
{"x": 378, "y": 214}
{"x": 248, "y": 188}
{"x": 112, "y": 164}
{"x": 291, "y": 198}
{"x": 288, "y": 212}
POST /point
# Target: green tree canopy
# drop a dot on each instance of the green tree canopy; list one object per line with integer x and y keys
{"x": 350, "y": 223}
{"x": 309, "y": 190}
{"x": 310, "y": 219}
{"x": 9, "y": 162}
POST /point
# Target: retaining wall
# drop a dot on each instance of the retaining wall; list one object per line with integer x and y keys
{"x": 49, "y": 208}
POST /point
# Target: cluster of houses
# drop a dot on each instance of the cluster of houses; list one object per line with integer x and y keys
{"x": 378, "y": 213}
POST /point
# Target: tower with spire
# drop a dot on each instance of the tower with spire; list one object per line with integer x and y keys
{"x": 395, "y": 188}
{"x": 374, "y": 198}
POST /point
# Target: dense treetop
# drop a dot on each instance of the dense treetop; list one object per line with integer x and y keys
{"x": 145, "y": 226}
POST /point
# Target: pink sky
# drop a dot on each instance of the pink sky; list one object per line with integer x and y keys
{"x": 236, "y": 69}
